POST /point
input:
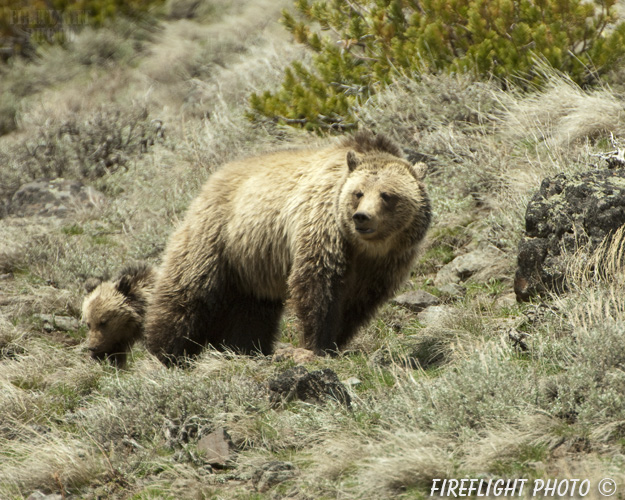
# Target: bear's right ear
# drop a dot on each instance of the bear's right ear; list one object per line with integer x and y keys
{"x": 352, "y": 161}
{"x": 91, "y": 284}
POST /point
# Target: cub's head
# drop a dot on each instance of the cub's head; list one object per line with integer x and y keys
{"x": 114, "y": 325}
{"x": 383, "y": 205}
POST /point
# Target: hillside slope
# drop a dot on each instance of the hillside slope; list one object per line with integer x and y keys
{"x": 478, "y": 386}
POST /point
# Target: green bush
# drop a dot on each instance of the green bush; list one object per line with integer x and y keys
{"x": 372, "y": 42}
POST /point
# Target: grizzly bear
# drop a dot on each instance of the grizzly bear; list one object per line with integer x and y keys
{"x": 334, "y": 231}
{"x": 114, "y": 312}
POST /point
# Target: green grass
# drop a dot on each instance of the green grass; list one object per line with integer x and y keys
{"x": 72, "y": 230}
{"x": 523, "y": 464}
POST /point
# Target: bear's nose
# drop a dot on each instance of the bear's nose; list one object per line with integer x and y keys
{"x": 361, "y": 217}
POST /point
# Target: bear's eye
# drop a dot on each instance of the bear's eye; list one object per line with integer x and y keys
{"x": 386, "y": 197}
{"x": 102, "y": 323}
{"x": 358, "y": 194}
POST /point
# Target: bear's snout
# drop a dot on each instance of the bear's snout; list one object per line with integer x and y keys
{"x": 95, "y": 350}
{"x": 363, "y": 223}
{"x": 361, "y": 217}
{"x": 96, "y": 353}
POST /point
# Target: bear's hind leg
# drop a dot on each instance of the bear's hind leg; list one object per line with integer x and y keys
{"x": 174, "y": 333}
{"x": 251, "y": 325}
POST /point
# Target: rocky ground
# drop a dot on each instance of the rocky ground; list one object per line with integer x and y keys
{"x": 454, "y": 379}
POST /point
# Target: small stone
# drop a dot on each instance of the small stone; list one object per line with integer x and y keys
{"x": 351, "y": 382}
{"x": 52, "y": 322}
{"x": 38, "y": 495}
{"x": 436, "y": 314}
{"x": 452, "y": 289}
{"x": 507, "y": 300}
{"x": 272, "y": 473}
{"x": 416, "y": 301}
{"x": 216, "y": 448}
{"x": 481, "y": 264}
{"x": 537, "y": 466}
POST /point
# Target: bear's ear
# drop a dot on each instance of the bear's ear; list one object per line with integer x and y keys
{"x": 352, "y": 161}
{"x": 419, "y": 170}
{"x": 124, "y": 285}
{"x": 91, "y": 284}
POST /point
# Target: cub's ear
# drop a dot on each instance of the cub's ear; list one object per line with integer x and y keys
{"x": 352, "y": 161}
{"x": 419, "y": 170}
{"x": 124, "y": 285}
{"x": 91, "y": 284}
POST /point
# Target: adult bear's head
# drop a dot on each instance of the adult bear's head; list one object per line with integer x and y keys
{"x": 383, "y": 205}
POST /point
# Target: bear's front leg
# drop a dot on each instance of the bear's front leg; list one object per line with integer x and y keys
{"x": 314, "y": 286}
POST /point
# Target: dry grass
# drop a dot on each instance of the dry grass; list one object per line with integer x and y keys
{"x": 562, "y": 114}
{"x": 450, "y": 400}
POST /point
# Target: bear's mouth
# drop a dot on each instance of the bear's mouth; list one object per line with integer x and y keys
{"x": 115, "y": 355}
{"x": 365, "y": 230}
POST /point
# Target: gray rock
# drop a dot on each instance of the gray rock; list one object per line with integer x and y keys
{"x": 315, "y": 387}
{"x": 436, "y": 314}
{"x": 52, "y": 322}
{"x": 352, "y": 382}
{"x": 452, "y": 289}
{"x": 38, "y": 495}
{"x": 481, "y": 265}
{"x": 216, "y": 448}
{"x": 416, "y": 301}
{"x": 567, "y": 212}
{"x": 56, "y": 197}
{"x": 507, "y": 300}
{"x": 272, "y": 473}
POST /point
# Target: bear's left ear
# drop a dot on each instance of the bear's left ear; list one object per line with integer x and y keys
{"x": 124, "y": 285}
{"x": 352, "y": 161}
{"x": 419, "y": 170}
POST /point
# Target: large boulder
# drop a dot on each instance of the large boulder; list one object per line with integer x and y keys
{"x": 568, "y": 211}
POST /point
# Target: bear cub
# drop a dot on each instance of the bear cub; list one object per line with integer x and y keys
{"x": 114, "y": 312}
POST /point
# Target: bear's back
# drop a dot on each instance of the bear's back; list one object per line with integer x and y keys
{"x": 270, "y": 202}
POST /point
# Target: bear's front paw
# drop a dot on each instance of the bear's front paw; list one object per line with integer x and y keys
{"x": 299, "y": 355}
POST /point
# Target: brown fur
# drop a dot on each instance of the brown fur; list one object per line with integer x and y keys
{"x": 282, "y": 226}
{"x": 365, "y": 142}
{"x": 114, "y": 312}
